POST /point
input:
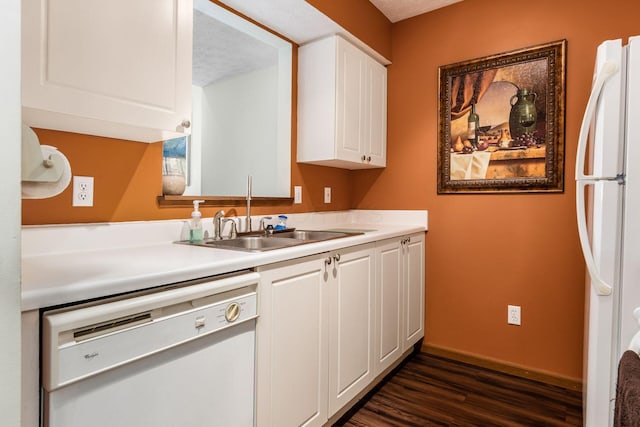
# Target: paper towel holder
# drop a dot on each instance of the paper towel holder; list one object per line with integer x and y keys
{"x": 37, "y": 167}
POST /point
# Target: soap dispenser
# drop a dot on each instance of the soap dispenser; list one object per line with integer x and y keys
{"x": 195, "y": 225}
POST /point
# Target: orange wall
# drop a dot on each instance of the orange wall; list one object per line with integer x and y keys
{"x": 128, "y": 179}
{"x": 487, "y": 251}
{"x": 362, "y": 19}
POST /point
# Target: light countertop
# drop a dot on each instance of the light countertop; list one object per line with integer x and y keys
{"x": 64, "y": 264}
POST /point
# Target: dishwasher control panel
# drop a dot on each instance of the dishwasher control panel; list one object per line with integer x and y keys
{"x": 227, "y": 313}
{"x": 83, "y": 342}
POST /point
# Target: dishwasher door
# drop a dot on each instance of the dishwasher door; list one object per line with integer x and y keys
{"x": 180, "y": 357}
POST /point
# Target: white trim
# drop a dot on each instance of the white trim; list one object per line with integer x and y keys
{"x": 10, "y": 128}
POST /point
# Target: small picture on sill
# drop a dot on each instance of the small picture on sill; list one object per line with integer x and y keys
{"x": 174, "y": 166}
{"x": 501, "y": 122}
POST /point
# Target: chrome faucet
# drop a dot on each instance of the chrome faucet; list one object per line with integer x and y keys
{"x": 248, "y": 230}
{"x": 217, "y": 222}
{"x": 234, "y": 229}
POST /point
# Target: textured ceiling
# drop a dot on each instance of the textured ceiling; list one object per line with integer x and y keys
{"x": 297, "y": 20}
{"x": 397, "y": 10}
{"x": 221, "y": 51}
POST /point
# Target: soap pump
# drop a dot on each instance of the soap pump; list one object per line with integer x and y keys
{"x": 195, "y": 225}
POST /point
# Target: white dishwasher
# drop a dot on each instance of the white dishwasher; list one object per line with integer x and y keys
{"x": 181, "y": 356}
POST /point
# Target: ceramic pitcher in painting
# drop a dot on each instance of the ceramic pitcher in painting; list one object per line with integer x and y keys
{"x": 523, "y": 115}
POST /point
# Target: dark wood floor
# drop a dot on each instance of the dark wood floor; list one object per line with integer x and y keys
{"x": 432, "y": 391}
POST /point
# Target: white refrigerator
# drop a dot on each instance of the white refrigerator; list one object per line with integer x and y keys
{"x": 608, "y": 208}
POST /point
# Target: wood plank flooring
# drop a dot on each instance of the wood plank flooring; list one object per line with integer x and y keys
{"x": 431, "y": 391}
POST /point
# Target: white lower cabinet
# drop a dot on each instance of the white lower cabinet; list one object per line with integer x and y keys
{"x": 331, "y": 323}
{"x": 315, "y": 336}
{"x": 388, "y": 342}
{"x": 399, "y": 298}
{"x": 351, "y": 322}
{"x": 292, "y": 341}
{"x": 413, "y": 284}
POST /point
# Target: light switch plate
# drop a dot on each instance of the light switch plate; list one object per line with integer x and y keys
{"x": 297, "y": 194}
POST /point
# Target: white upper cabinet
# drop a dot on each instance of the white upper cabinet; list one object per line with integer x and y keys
{"x": 112, "y": 68}
{"x": 342, "y": 106}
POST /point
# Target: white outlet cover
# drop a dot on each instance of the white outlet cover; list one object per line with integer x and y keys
{"x": 327, "y": 194}
{"x": 513, "y": 315}
{"x": 82, "y": 191}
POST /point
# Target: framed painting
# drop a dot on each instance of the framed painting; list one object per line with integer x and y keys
{"x": 501, "y": 122}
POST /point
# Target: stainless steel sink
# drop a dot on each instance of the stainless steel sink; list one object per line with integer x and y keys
{"x": 278, "y": 240}
{"x": 253, "y": 243}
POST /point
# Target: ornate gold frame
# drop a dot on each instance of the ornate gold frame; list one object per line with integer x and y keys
{"x": 551, "y": 119}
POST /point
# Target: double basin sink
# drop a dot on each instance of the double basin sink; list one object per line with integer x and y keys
{"x": 254, "y": 242}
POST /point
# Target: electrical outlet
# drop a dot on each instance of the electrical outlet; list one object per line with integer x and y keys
{"x": 297, "y": 194}
{"x": 327, "y": 194}
{"x": 513, "y": 315}
{"x": 82, "y": 191}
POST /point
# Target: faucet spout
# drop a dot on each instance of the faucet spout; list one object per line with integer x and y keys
{"x": 217, "y": 222}
{"x": 233, "y": 233}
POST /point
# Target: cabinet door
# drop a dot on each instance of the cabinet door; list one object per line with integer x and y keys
{"x": 350, "y": 325}
{"x": 413, "y": 290}
{"x": 376, "y": 114}
{"x": 292, "y": 346}
{"x": 388, "y": 328}
{"x": 113, "y": 68}
{"x": 350, "y": 106}
{"x": 342, "y": 106}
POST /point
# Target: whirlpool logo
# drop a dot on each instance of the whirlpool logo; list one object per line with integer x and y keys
{"x": 91, "y": 356}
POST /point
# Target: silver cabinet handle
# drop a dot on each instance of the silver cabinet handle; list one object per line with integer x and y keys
{"x": 185, "y": 124}
{"x": 327, "y": 261}
{"x": 337, "y": 257}
{"x": 368, "y": 158}
{"x": 364, "y": 157}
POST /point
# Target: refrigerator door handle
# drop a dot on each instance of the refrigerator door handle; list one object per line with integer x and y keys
{"x": 608, "y": 69}
{"x": 599, "y": 285}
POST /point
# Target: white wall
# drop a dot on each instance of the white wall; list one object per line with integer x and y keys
{"x": 10, "y": 214}
{"x": 239, "y": 134}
